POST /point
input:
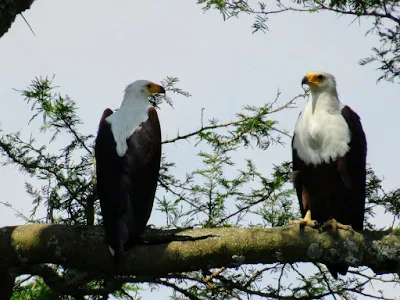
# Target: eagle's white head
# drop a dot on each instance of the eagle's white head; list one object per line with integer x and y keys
{"x": 321, "y": 132}
{"x": 144, "y": 88}
{"x": 133, "y": 112}
{"x": 320, "y": 82}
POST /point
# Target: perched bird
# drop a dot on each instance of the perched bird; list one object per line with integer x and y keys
{"x": 128, "y": 154}
{"x": 329, "y": 161}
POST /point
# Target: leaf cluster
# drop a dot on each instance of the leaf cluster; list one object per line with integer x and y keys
{"x": 384, "y": 13}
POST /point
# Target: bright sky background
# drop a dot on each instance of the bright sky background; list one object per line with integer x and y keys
{"x": 95, "y": 48}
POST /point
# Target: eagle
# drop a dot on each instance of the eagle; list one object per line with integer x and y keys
{"x": 329, "y": 152}
{"x": 128, "y": 155}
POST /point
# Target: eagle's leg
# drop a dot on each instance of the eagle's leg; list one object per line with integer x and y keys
{"x": 335, "y": 225}
{"x": 307, "y": 221}
{"x": 305, "y": 198}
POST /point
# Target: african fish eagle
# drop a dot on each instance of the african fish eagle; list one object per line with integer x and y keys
{"x": 329, "y": 155}
{"x": 128, "y": 154}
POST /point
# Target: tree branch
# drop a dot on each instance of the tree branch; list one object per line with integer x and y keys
{"x": 9, "y": 10}
{"x": 194, "y": 249}
{"x": 177, "y": 288}
{"x": 58, "y": 284}
{"x": 203, "y": 128}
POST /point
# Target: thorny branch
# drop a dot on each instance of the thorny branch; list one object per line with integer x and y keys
{"x": 268, "y": 111}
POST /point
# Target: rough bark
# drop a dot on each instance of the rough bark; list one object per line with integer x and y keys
{"x": 9, "y": 9}
{"x": 163, "y": 252}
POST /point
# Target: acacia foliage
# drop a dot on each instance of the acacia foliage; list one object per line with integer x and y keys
{"x": 227, "y": 189}
{"x": 384, "y": 14}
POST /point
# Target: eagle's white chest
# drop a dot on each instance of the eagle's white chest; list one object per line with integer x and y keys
{"x": 124, "y": 123}
{"x": 321, "y": 134}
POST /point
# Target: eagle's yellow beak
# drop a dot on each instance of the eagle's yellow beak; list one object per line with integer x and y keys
{"x": 155, "y": 88}
{"x": 312, "y": 79}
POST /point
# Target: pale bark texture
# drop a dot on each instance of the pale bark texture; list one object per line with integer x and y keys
{"x": 163, "y": 252}
{"x": 9, "y": 9}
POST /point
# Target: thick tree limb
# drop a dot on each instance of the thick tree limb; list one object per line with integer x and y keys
{"x": 82, "y": 247}
{"x": 9, "y": 9}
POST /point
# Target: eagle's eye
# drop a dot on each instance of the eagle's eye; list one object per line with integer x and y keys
{"x": 149, "y": 86}
{"x": 320, "y": 77}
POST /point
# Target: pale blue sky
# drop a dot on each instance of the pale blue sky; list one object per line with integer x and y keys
{"x": 95, "y": 48}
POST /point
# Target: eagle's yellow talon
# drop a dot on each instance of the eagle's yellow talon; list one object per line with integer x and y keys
{"x": 335, "y": 225}
{"x": 307, "y": 221}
